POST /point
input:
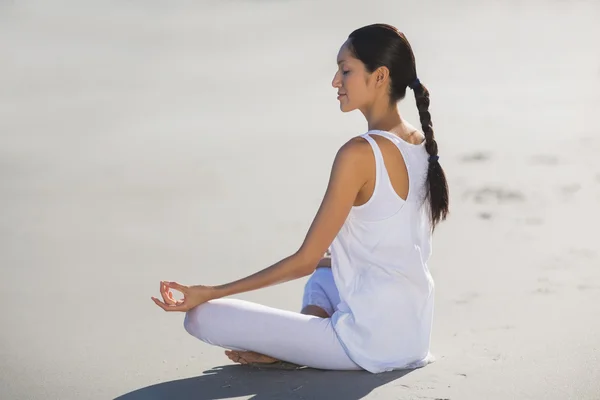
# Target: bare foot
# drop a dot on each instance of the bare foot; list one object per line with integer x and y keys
{"x": 247, "y": 357}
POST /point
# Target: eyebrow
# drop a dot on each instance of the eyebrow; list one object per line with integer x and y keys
{"x": 340, "y": 61}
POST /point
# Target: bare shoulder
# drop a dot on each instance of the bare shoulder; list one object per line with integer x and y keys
{"x": 352, "y": 162}
{"x": 356, "y": 150}
{"x": 357, "y": 143}
{"x": 356, "y": 157}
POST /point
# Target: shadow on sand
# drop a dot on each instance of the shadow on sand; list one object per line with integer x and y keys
{"x": 232, "y": 381}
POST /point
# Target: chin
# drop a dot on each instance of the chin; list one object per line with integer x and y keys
{"x": 345, "y": 108}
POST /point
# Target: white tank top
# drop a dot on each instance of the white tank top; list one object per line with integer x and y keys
{"x": 379, "y": 263}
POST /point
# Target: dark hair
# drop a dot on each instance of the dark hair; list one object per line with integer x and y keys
{"x": 383, "y": 45}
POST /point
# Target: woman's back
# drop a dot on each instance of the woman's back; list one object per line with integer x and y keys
{"x": 379, "y": 261}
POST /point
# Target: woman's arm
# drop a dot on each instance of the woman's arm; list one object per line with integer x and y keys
{"x": 347, "y": 178}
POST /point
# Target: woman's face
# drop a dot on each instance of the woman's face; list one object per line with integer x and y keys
{"x": 352, "y": 82}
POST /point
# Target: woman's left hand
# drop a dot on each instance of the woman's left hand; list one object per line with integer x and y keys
{"x": 192, "y": 296}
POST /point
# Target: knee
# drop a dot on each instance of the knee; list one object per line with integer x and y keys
{"x": 195, "y": 321}
{"x": 208, "y": 322}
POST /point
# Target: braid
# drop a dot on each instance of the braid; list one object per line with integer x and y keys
{"x": 422, "y": 99}
{"x": 438, "y": 186}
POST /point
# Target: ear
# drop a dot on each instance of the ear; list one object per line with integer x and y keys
{"x": 381, "y": 76}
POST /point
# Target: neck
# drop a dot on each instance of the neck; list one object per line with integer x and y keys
{"x": 382, "y": 116}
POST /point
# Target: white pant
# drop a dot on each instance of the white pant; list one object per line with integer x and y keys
{"x": 288, "y": 336}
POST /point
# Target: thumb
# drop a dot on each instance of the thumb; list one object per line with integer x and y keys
{"x": 177, "y": 286}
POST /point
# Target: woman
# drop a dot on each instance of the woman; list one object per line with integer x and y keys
{"x": 373, "y": 308}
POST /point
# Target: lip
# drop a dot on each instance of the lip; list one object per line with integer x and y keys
{"x": 340, "y": 96}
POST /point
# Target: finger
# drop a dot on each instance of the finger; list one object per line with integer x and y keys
{"x": 159, "y": 303}
{"x": 166, "y": 294}
{"x": 172, "y": 299}
{"x": 162, "y": 305}
{"x": 166, "y": 307}
{"x": 163, "y": 291}
{"x": 177, "y": 286}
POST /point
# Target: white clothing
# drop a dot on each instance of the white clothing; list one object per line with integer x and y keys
{"x": 379, "y": 290}
{"x": 289, "y": 336}
{"x": 379, "y": 263}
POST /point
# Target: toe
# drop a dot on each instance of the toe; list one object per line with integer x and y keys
{"x": 232, "y": 355}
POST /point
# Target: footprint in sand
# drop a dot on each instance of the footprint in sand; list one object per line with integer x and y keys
{"x": 467, "y": 298}
{"x": 587, "y": 141}
{"x": 584, "y": 287}
{"x": 544, "y": 291}
{"x": 534, "y": 221}
{"x": 486, "y": 195}
{"x": 583, "y": 253}
{"x": 485, "y": 215}
{"x": 557, "y": 263}
{"x": 548, "y": 286}
{"x": 505, "y": 328}
{"x": 545, "y": 159}
{"x": 569, "y": 190}
{"x": 479, "y": 156}
{"x": 575, "y": 257}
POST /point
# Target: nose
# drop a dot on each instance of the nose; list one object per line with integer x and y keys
{"x": 337, "y": 82}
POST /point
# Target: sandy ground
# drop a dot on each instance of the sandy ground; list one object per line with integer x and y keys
{"x": 145, "y": 140}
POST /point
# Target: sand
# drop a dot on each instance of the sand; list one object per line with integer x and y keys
{"x": 142, "y": 141}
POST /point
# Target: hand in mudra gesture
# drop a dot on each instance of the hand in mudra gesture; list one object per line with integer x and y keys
{"x": 192, "y": 296}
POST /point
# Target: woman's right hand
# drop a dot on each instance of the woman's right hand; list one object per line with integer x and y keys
{"x": 193, "y": 296}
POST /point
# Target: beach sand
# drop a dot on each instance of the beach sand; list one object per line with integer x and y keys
{"x": 146, "y": 141}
